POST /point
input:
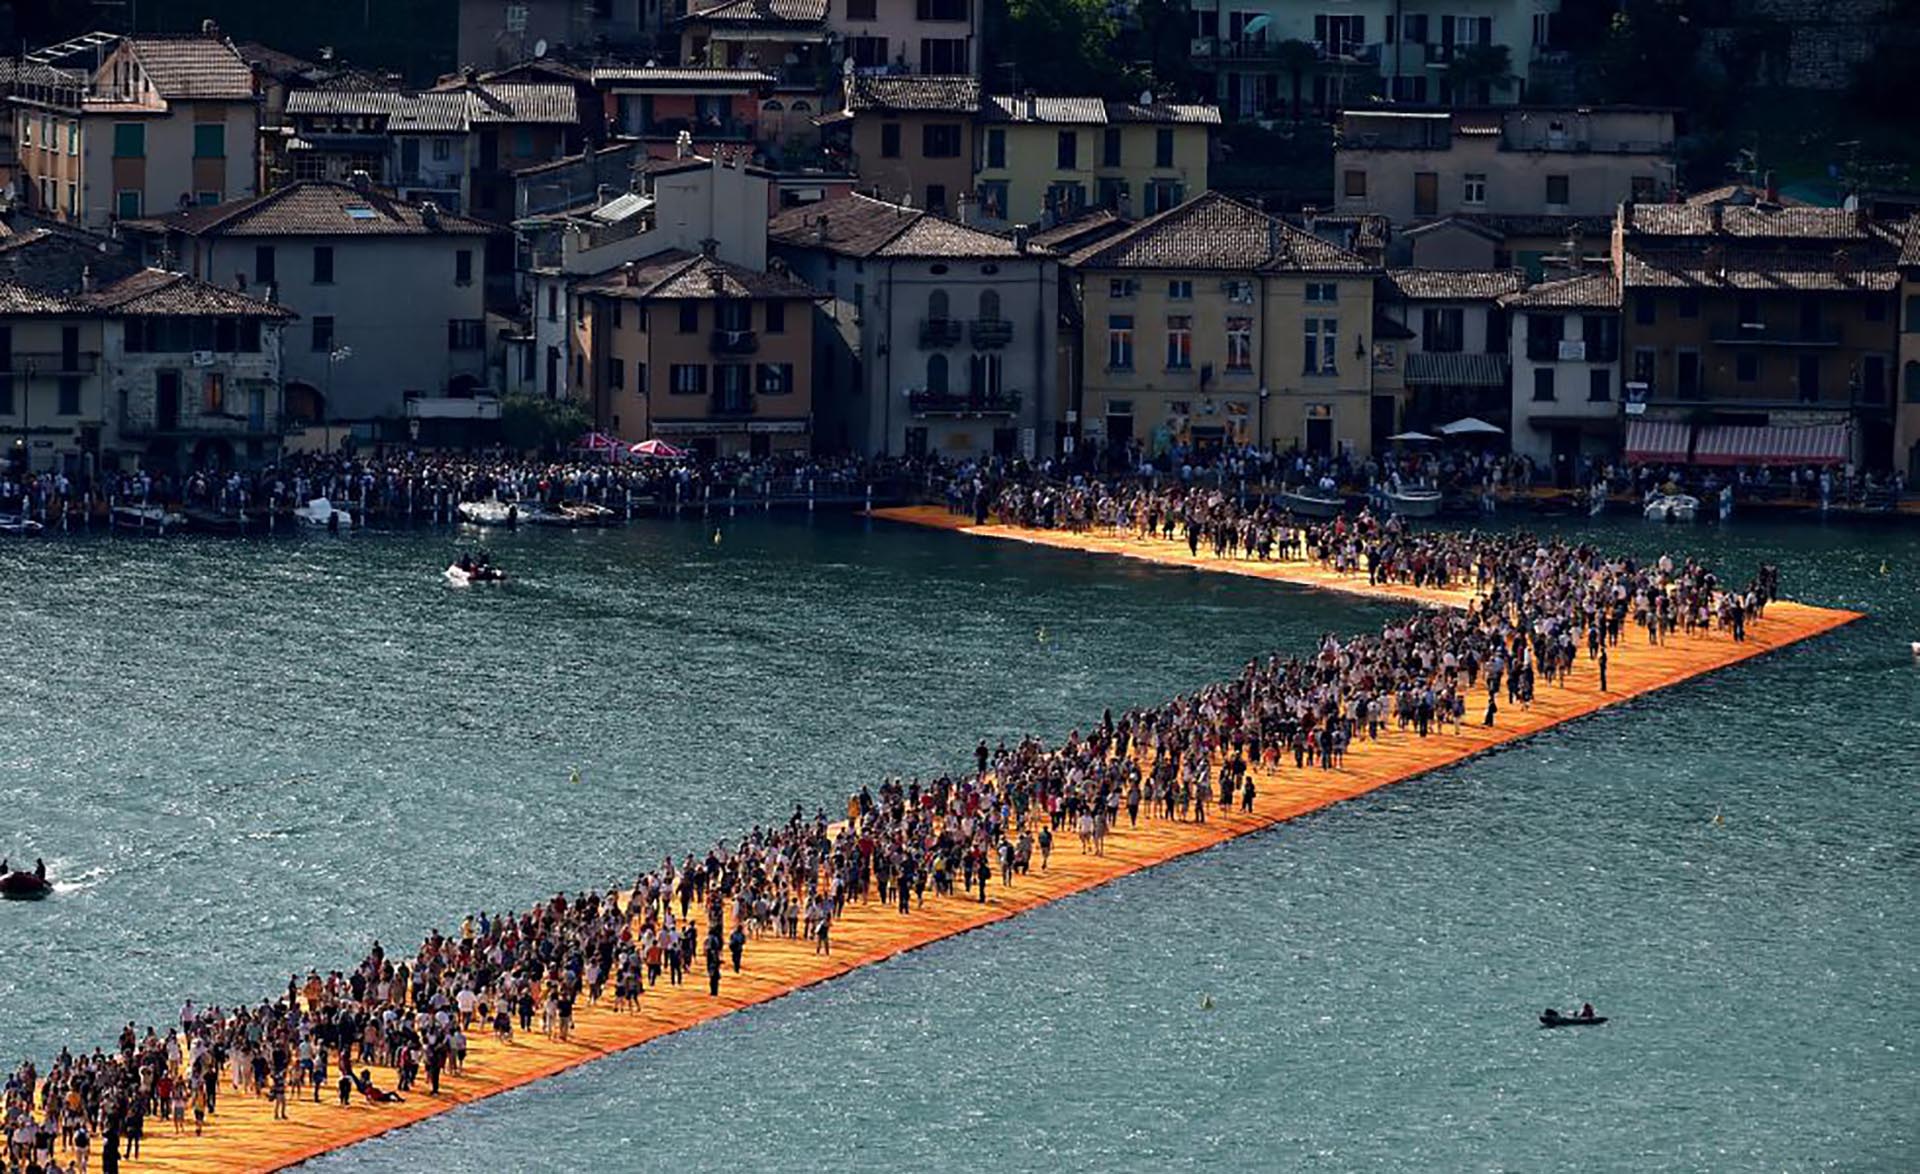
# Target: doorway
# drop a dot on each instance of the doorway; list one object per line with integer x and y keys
{"x": 166, "y": 406}
{"x": 1320, "y": 436}
{"x": 1426, "y": 193}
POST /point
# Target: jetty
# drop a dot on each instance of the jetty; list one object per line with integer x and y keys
{"x": 244, "y": 1135}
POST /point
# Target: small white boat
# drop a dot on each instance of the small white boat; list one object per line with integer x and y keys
{"x": 586, "y": 513}
{"x": 1314, "y": 503}
{"x": 489, "y": 513}
{"x": 145, "y": 517}
{"x": 1415, "y": 502}
{"x": 18, "y": 524}
{"x": 1672, "y": 507}
{"x": 459, "y": 576}
{"x": 324, "y": 514}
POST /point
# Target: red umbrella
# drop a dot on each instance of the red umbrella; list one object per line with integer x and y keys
{"x": 657, "y": 448}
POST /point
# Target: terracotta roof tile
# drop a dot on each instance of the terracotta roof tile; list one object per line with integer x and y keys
{"x": 762, "y": 12}
{"x": 196, "y": 67}
{"x": 687, "y": 79}
{"x": 1582, "y": 291}
{"x": 315, "y": 208}
{"x": 861, "y": 226}
{"x": 1212, "y": 232}
{"x": 928, "y": 93}
{"x": 23, "y": 299}
{"x": 1191, "y": 113}
{"x": 1758, "y": 269}
{"x": 156, "y": 291}
{"x": 452, "y": 110}
{"x": 1910, "y": 248}
{"x": 1454, "y": 285}
{"x": 1735, "y": 220}
{"x": 1074, "y": 111}
{"x": 679, "y": 275}
{"x": 1082, "y": 230}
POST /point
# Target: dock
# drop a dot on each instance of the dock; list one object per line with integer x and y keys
{"x": 244, "y": 1136}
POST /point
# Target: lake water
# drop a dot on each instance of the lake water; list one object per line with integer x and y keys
{"x": 243, "y": 758}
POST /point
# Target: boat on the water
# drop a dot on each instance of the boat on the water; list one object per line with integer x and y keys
{"x": 459, "y": 576}
{"x": 20, "y": 885}
{"x": 1415, "y": 502}
{"x": 1552, "y": 1018}
{"x": 586, "y": 513}
{"x": 1314, "y": 503}
{"x": 145, "y": 517}
{"x": 324, "y": 514}
{"x": 489, "y": 513}
{"x": 19, "y": 524}
{"x": 1672, "y": 507}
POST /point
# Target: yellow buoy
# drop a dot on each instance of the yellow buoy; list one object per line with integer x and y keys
{"x": 1206, "y": 1002}
{"x": 574, "y": 778}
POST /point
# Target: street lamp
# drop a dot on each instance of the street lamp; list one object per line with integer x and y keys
{"x": 1264, "y": 393}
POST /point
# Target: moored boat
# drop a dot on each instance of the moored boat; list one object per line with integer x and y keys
{"x": 1671, "y": 507}
{"x": 19, "y": 524}
{"x": 489, "y": 513}
{"x": 323, "y": 514}
{"x": 1552, "y": 1018}
{"x": 1314, "y": 503}
{"x": 19, "y": 885}
{"x": 1415, "y": 502}
{"x": 145, "y": 517}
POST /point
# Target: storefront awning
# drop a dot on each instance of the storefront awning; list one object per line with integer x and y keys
{"x": 1657, "y": 440}
{"x": 1736, "y": 444}
{"x": 1426, "y": 369}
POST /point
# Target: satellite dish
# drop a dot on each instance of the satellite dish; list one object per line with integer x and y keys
{"x": 540, "y": 48}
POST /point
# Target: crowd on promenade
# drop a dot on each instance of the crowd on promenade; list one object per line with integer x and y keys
{"x": 393, "y": 1026}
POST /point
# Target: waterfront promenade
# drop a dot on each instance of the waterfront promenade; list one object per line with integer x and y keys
{"x": 243, "y": 1134}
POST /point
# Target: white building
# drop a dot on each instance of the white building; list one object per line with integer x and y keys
{"x": 1456, "y": 344}
{"x": 951, "y": 333}
{"x": 1566, "y": 370}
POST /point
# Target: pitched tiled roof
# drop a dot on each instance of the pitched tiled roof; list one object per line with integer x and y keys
{"x": 196, "y": 67}
{"x": 1582, "y": 291}
{"x": 454, "y": 110}
{"x": 1080, "y": 231}
{"x": 762, "y": 12}
{"x": 861, "y": 226}
{"x": 1214, "y": 232}
{"x": 1462, "y": 223}
{"x": 1910, "y": 248}
{"x": 1193, "y": 113}
{"x": 60, "y": 262}
{"x": 1013, "y": 108}
{"x": 1759, "y": 269}
{"x": 23, "y": 299}
{"x": 930, "y": 93}
{"x": 1740, "y": 193}
{"x": 314, "y": 208}
{"x": 1454, "y": 285}
{"x": 679, "y": 275}
{"x": 1734, "y": 220}
{"x": 687, "y": 79}
{"x": 1364, "y": 231}
{"x": 156, "y": 291}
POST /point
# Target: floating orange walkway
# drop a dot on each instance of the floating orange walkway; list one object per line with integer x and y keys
{"x": 244, "y": 1136}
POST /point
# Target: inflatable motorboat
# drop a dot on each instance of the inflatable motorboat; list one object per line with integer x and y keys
{"x": 1671, "y": 507}
{"x": 324, "y": 515}
{"x": 1552, "y": 1018}
{"x": 17, "y": 885}
{"x": 460, "y": 576}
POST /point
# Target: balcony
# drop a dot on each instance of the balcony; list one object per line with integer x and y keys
{"x": 950, "y": 403}
{"x": 1259, "y": 49}
{"x": 730, "y": 403}
{"x": 991, "y": 333}
{"x": 52, "y": 363}
{"x": 1765, "y": 334}
{"x": 734, "y": 342}
{"x": 940, "y": 333}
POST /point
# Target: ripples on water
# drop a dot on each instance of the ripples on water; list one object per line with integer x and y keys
{"x": 244, "y": 757}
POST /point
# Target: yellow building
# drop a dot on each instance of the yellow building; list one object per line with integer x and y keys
{"x": 711, "y": 356}
{"x": 1048, "y": 159}
{"x": 1214, "y": 323}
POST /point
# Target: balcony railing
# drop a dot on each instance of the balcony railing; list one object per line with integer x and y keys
{"x": 940, "y": 332}
{"x": 51, "y": 363}
{"x": 1763, "y": 334}
{"x": 991, "y": 333}
{"x": 734, "y": 342}
{"x": 730, "y": 403}
{"x": 952, "y": 403}
{"x": 1262, "y": 49}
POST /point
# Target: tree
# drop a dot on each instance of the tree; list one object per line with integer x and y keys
{"x": 538, "y": 423}
{"x": 1062, "y": 46}
{"x": 1477, "y": 65}
{"x": 1296, "y": 57}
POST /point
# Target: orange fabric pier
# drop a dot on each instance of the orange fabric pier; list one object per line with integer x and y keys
{"x": 244, "y": 1136}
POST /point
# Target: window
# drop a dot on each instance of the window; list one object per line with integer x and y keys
{"x": 1355, "y": 184}
{"x": 323, "y": 264}
{"x": 323, "y": 333}
{"x": 937, "y": 306}
{"x": 463, "y": 267}
{"x": 1322, "y": 340}
{"x": 466, "y": 334}
{"x": 1542, "y": 29}
{"x": 941, "y": 9}
{"x": 1473, "y": 189}
{"x": 860, "y": 9}
{"x": 616, "y": 373}
{"x": 1542, "y": 385}
{"x": 1110, "y": 147}
{"x": 867, "y": 52}
{"x": 996, "y": 148}
{"x": 210, "y": 140}
{"x": 776, "y": 317}
{"x": 936, "y": 198}
{"x": 73, "y": 198}
{"x": 733, "y": 315}
{"x": 889, "y": 140}
{"x": 263, "y": 268}
{"x": 1558, "y": 190}
{"x": 1809, "y": 381}
{"x": 1179, "y": 342}
{"x": 993, "y": 199}
{"x": 989, "y": 305}
{"x": 1122, "y": 287}
{"x": 1599, "y": 385}
{"x": 1239, "y": 344}
{"x": 937, "y": 374}
{"x": 1066, "y": 200}
{"x": 1180, "y": 289}
{"x": 129, "y": 140}
{"x": 689, "y": 317}
{"x": 1067, "y": 150}
{"x": 1163, "y": 194}
{"x": 1163, "y": 147}
{"x": 1686, "y": 374}
{"x": 442, "y": 150}
{"x": 553, "y": 303}
{"x": 1322, "y": 293}
{"x": 73, "y": 138}
{"x": 1876, "y": 310}
{"x": 1642, "y": 188}
{"x": 775, "y": 378}
{"x": 1120, "y": 342}
{"x": 943, "y": 55}
{"x": 687, "y": 379}
{"x": 1643, "y": 310}
{"x": 1110, "y": 193}
{"x": 126, "y": 203}
{"x": 1444, "y": 331}
{"x": 1689, "y": 306}
{"x": 616, "y": 312}
{"x": 213, "y": 388}
{"x": 70, "y": 395}
{"x": 940, "y": 140}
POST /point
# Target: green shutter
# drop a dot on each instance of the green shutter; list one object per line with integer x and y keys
{"x": 210, "y": 140}
{"x": 129, "y": 140}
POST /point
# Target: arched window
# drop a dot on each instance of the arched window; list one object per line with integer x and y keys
{"x": 937, "y": 374}
{"x": 937, "y": 306}
{"x": 989, "y": 305}
{"x": 802, "y": 106}
{"x": 772, "y": 107}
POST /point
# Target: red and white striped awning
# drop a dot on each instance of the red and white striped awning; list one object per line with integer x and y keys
{"x": 1738, "y": 444}
{"x": 1657, "y": 440}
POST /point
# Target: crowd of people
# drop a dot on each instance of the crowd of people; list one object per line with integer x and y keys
{"x": 1538, "y": 614}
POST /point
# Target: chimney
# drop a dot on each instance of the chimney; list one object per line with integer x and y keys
{"x": 1773, "y": 189}
{"x": 240, "y": 282}
{"x": 470, "y": 75}
{"x": 820, "y": 229}
{"x": 1033, "y": 106}
{"x": 1862, "y": 220}
{"x": 709, "y": 246}
{"x": 683, "y": 145}
{"x": 966, "y": 208}
{"x": 1715, "y": 261}
{"x": 430, "y": 215}
{"x": 630, "y": 274}
{"x": 1843, "y": 263}
{"x": 1714, "y": 212}
{"x": 362, "y": 182}
{"x": 1020, "y": 237}
{"x": 86, "y": 279}
{"x": 716, "y": 281}
{"x": 209, "y": 29}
